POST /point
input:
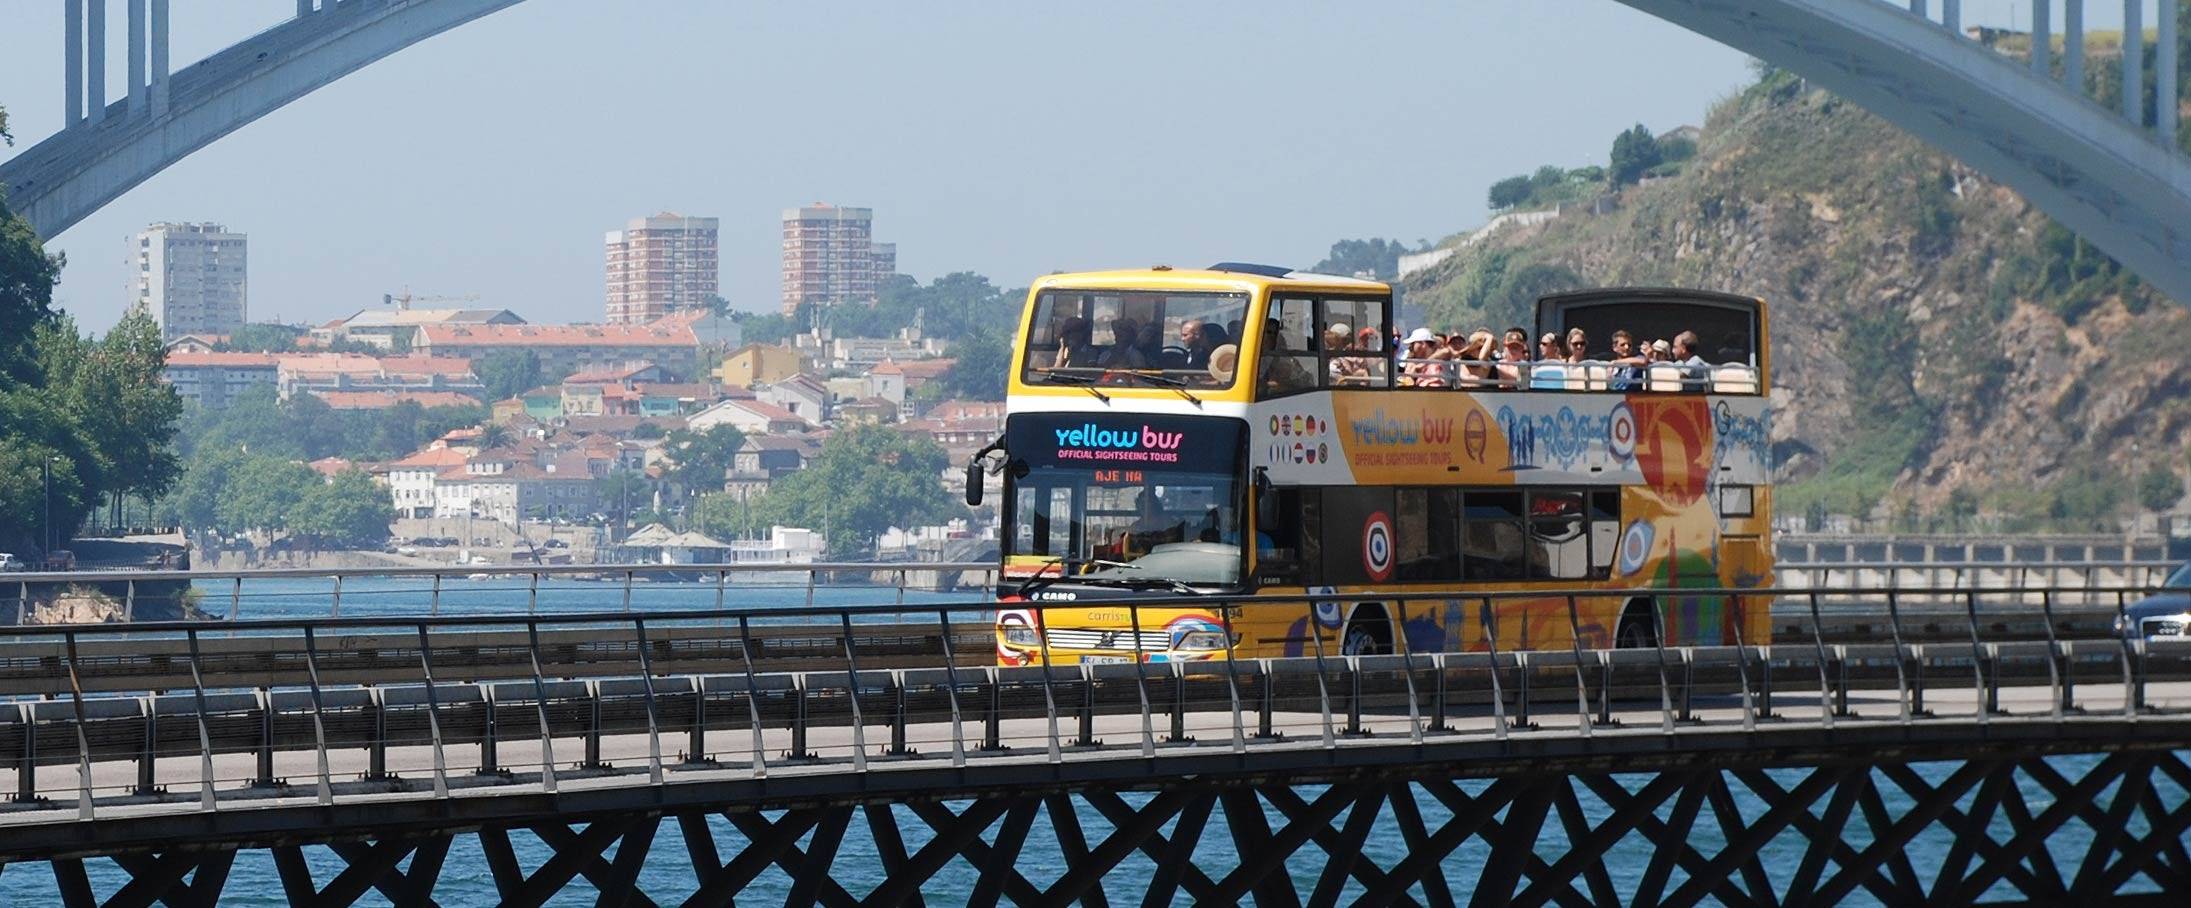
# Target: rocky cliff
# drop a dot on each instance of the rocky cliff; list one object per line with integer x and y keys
{"x": 1939, "y": 344}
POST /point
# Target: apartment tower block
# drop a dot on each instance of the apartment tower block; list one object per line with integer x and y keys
{"x": 660, "y": 265}
{"x": 831, "y": 257}
{"x": 190, "y": 277}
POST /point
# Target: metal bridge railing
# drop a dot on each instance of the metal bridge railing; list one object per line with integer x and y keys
{"x": 329, "y": 592}
{"x": 452, "y": 705}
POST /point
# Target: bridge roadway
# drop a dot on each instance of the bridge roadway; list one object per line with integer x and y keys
{"x": 1431, "y": 748}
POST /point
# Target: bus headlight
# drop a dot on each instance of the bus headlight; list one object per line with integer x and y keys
{"x": 1021, "y": 635}
{"x": 1201, "y": 640}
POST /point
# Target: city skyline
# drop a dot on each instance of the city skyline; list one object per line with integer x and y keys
{"x": 958, "y": 152}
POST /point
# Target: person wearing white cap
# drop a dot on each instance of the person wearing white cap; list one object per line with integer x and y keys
{"x": 1420, "y": 369}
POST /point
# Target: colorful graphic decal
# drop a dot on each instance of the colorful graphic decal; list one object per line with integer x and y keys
{"x": 1676, "y": 442}
{"x": 1635, "y": 547}
{"x": 1377, "y": 546}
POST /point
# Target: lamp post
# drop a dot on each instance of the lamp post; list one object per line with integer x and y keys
{"x": 45, "y": 542}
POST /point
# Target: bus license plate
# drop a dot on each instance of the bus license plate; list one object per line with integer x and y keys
{"x": 1102, "y": 660}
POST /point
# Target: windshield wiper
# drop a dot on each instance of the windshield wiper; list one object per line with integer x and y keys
{"x": 1176, "y": 385}
{"x": 1142, "y": 583}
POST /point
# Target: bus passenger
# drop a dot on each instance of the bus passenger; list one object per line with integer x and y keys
{"x": 1695, "y": 372}
{"x": 1279, "y": 372}
{"x": 1420, "y": 369}
{"x": 1075, "y": 344}
{"x": 1513, "y": 358}
{"x": 1200, "y": 338}
{"x": 1551, "y": 349}
{"x": 1125, "y": 333}
{"x": 1627, "y": 363}
{"x": 1578, "y": 345}
{"x": 1476, "y": 362}
{"x": 1344, "y": 370}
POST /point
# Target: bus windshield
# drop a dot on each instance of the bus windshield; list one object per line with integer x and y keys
{"x": 1116, "y": 337}
{"x": 1155, "y": 503}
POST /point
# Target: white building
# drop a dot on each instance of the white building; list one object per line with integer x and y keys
{"x": 752, "y": 417}
{"x": 413, "y": 483}
{"x": 190, "y": 277}
{"x": 784, "y": 545}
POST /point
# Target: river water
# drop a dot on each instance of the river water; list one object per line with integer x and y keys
{"x": 668, "y": 879}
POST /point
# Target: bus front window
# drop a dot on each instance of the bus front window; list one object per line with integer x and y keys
{"x": 1154, "y": 500}
{"x": 1124, "y": 338}
{"x": 1129, "y": 525}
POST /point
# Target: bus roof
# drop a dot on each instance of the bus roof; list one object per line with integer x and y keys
{"x": 1162, "y": 278}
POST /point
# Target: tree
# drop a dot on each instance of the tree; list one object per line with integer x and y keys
{"x": 263, "y": 493}
{"x": 983, "y": 362}
{"x": 1634, "y": 151}
{"x": 493, "y": 435}
{"x": 621, "y": 492}
{"x": 723, "y": 516}
{"x": 866, "y": 480}
{"x": 1547, "y": 178}
{"x": 259, "y": 337}
{"x": 349, "y": 511}
{"x": 509, "y": 373}
{"x": 698, "y": 461}
{"x": 2159, "y": 488}
{"x": 130, "y": 410}
{"x": 1379, "y": 258}
{"x": 27, "y": 276}
{"x": 194, "y": 500}
{"x": 1509, "y": 192}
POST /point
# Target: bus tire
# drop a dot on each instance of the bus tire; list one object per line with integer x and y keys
{"x": 1638, "y": 628}
{"x": 1368, "y": 632}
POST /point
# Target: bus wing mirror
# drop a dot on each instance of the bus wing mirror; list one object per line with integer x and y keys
{"x": 973, "y": 471}
{"x": 1262, "y": 481}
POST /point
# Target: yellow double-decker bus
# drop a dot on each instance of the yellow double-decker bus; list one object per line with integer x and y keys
{"x": 1246, "y": 430}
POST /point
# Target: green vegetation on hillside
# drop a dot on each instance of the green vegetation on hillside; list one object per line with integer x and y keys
{"x": 1943, "y": 353}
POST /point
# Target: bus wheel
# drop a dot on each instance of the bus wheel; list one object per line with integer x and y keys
{"x": 1368, "y": 634}
{"x": 1637, "y": 630}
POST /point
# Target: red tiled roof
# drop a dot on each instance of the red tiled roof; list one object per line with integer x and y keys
{"x": 221, "y": 360}
{"x": 648, "y": 335}
{"x": 330, "y": 466}
{"x": 431, "y": 457}
{"x": 923, "y": 369}
{"x": 381, "y": 400}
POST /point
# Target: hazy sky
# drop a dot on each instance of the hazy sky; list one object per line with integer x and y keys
{"x": 1008, "y": 139}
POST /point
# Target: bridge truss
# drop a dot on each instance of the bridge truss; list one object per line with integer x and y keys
{"x": 816, "y": 756}
{"x": 2009, "y": 827}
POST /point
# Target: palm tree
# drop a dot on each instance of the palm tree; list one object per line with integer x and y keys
{"x": 493, "y": 435}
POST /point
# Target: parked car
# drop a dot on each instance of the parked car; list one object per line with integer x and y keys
{"x": 60, "y": 560}
{"x": 8, "y": 562}
{"x": 557, "y": 544}
{"x": 2166, "y": 614}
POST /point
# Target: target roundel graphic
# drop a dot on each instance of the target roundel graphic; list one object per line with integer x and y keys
{"x": 1377, "y": 546}
{"x": 1620, "y": 432}
{"x": 1635, "y": 547}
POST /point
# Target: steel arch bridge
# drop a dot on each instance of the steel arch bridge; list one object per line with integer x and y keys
{"x": 2105, "y": 174}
